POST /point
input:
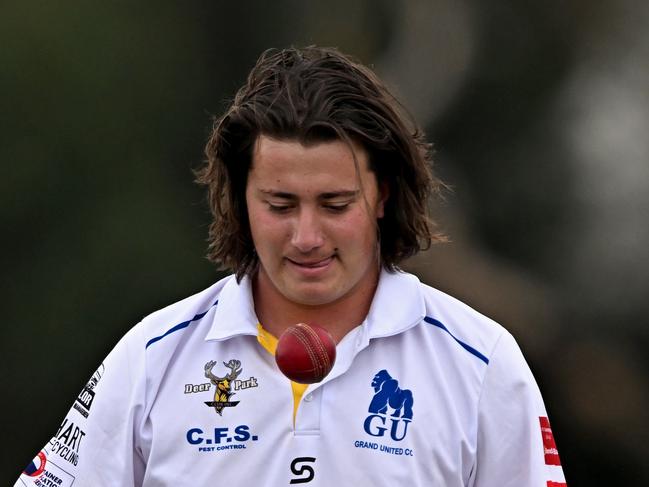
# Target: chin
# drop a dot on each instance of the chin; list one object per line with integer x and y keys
{"x": 314, "y": 297}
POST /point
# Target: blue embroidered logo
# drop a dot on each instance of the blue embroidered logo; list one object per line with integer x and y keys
{"x": 389, "y": 399}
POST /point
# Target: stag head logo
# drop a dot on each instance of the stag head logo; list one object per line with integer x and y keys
{"x": 223, "y": 390}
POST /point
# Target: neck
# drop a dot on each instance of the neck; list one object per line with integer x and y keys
{"x": 276, "y": 312}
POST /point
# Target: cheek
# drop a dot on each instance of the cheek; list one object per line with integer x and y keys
{"x": 256, "y": 222}
{"x": 356, "y": 230}
{"x": 266, "y": 230}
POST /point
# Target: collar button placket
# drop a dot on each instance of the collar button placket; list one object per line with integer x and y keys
{"x": 307, "y": 420}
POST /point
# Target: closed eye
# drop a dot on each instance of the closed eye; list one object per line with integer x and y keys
{"x": 339, "y": 201}
{"x": 336, "y": 207}
{"x": 275, "y": 208}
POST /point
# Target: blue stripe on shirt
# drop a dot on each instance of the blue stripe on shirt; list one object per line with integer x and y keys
{"x": 179, "y": 326}
{"x": 466, "y": 347}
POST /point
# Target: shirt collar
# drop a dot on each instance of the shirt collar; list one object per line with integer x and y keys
{"x": 235, "y": 312}
{"x": 398, "y": 304}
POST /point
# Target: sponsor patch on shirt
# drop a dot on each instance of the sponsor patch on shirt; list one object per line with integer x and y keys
{"x": 225, "y": 386}
{"x": 87, "y": 395}
{"x": 67, "y": 441}
{"x": 549, "y": 446}
{"x": 391, "y": 411}
{"x": 44, "y": 473}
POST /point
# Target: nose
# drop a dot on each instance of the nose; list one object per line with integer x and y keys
{"x": 307, "y": 231}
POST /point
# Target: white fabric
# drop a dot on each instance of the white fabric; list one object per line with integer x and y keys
{"x": 463, "y": 409}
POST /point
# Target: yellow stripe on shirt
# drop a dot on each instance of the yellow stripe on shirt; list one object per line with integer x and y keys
{"x": 269, "y": 342}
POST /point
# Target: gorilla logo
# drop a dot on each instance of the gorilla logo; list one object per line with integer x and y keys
{"x": 388, "y": 393}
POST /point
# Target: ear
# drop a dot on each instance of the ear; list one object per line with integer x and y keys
{"x": 384, "y": 194}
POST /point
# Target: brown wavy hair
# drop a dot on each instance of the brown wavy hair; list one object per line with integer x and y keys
{"x": 312, "y": 95}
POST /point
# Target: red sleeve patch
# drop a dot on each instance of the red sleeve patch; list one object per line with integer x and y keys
{"x": 549, "y": 446}
{"x": 556, "y": 484}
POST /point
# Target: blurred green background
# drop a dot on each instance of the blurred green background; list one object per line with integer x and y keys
{"x": 539, "y": 112}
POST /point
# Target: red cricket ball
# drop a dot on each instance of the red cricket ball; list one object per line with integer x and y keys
{"x": 305, "y": 353}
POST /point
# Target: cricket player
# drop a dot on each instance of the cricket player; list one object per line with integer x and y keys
{"x": 319, "y": 189}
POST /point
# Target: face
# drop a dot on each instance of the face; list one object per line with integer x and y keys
{"x": 313, "y": 215}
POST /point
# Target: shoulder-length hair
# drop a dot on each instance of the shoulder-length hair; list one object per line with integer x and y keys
{"x": 313, "y": 95}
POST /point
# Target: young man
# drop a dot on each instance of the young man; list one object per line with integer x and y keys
{"x": 319, "y": 189}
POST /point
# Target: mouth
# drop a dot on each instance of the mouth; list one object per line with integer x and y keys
{"x": 312, "y": 264}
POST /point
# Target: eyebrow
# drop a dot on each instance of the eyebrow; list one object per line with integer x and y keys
{"x": 324, "y": 196}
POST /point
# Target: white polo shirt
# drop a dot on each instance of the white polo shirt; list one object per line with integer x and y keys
{"x": 426, "y": 391}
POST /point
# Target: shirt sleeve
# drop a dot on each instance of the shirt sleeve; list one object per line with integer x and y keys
{"x": 97, "y": 442}
{"x": 515, "y": 446}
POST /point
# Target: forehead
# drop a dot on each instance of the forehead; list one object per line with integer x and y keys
{"x": 290, "y": 156}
